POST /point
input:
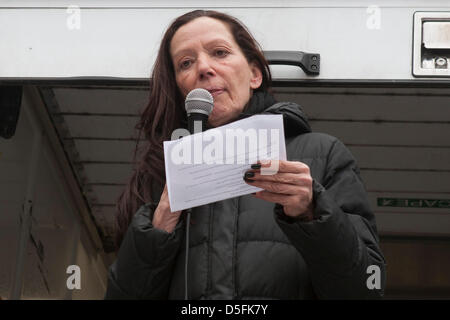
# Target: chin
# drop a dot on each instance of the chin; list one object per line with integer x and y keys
{"x": 216, "y": 117}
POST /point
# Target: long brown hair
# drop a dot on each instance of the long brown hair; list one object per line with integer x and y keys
{"x": 165, "y": 112}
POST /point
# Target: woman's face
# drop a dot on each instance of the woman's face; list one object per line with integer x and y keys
{"x": 205, "y": 55}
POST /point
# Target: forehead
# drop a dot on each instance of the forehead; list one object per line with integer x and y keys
{"x": 201, "y": 30}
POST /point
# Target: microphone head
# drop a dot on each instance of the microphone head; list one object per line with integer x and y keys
{"x": 199, "y": 101}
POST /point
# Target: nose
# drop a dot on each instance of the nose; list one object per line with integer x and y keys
{"x": 204, "y": 68}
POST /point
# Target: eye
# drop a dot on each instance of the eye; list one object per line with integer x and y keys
{"x": 185, "y": 64}
{"x": 221, "y": 53}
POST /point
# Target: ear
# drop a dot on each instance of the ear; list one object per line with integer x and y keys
{"x": 256, "y": 76}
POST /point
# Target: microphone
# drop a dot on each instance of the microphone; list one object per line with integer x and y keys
{"x": 199, "y": 104}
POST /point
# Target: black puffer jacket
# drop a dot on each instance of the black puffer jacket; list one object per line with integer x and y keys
{"x": 246, "y": 248}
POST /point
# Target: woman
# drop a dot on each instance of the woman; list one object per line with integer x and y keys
{"x": 309, "y": 234}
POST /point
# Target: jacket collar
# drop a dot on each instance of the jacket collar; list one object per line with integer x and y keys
{"x": 260, "y": 101}
{"x": 294, "y": 120}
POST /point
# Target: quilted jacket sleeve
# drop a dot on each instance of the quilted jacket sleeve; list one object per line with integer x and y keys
{"x": 341, "y": 244}
{"x": 144, "y": 264}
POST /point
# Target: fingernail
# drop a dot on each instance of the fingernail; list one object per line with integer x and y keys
{"x": 256, "y": 166}
{"x": 248, "y": 180}
{"x": 249, "y": 174}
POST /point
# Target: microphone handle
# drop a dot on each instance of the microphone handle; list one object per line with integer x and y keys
{"x": 197, "y": 122}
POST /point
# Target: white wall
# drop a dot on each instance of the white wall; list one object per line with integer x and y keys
{"x": 119, "y": 39}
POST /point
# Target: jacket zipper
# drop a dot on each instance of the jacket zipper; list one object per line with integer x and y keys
{"x": 234, "y": 261}
{"x": 209, "y": 278}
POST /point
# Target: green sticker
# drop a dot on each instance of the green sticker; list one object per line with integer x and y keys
{"x": 413, "y": 203}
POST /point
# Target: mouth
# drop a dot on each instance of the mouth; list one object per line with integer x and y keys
{"x": 215, "y": 91}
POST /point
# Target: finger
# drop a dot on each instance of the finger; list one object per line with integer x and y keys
{"x": 281, "y": 188}
{"x": 165, "y": 199}
{"x": 282, "y": 199}
{"x": 284, "y": 166}
{"x": 165, "y": 195}
{"x": 299, "y": 179}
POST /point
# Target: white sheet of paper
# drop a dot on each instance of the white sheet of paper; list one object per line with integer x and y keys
{"x": 209, "y": 166}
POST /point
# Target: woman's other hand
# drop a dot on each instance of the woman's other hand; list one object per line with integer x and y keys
{"x": 290, "y": 186}
{"x": 163, "y": 218}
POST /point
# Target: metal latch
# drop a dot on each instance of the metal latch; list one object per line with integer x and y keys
{"x": 309, "y": 62}
{"x": 431, "y": 52}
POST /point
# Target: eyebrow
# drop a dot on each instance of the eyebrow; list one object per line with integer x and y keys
{"x": 210, "y": 43}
